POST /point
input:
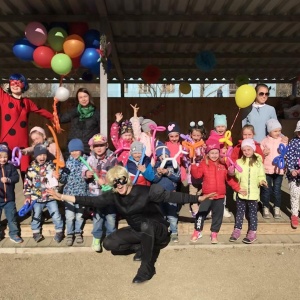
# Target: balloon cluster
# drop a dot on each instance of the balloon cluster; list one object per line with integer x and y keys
{"x": 63, "y": 47}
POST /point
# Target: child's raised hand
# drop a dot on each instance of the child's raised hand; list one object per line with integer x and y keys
{"x": 119, "y": 117}
{"x": 243, "y": 192}
{"x": 141, "y": 168}
{"x": 206, "y": 196}
{"x": 263, "y": 183}
{"x": 89, "y": 174}
{"x": 135, "y": 109}
{"x": 101, "y": 181}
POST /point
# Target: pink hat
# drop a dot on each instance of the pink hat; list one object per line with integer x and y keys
{"x": 97, "y": 139}
{"x": 211, "y": 145}
{"x": 248, "y": 142}
{"x": 38, "y": 129}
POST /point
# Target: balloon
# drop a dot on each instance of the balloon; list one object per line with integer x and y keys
{"x": 76, "y": 62}
{"x": 36, "y": 33}
{"x": 61, "y": 64}
{"x": 185, "y": 88}
{"x": 245, "y": 95}
{"x": 205, "y": 60}
{"x": 42, "y": 56}
{"x": 79, "y": 28}
{"x": 62, "y": 25}
{"x": 92, "y": 38}
{"x": 23, "y": 49}
{"x": 73, "y": 45}
{"x": 241, "y": 79}
{"x": 87, "y": 76}
{"x": 62, "y": 94}
{"x": 151, "y": 74}
{"x": 89, "y": 58}
{"x": 95, "y": 69}
{"x": 56, "y": 38}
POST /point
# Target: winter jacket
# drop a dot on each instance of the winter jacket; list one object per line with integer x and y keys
{"x": 237, "y": 151}
{"x": 250, "y": 178}
{"x": 214, "y": 176}
{"x": 293, "y": 159}
{"x": 7, "y": 190}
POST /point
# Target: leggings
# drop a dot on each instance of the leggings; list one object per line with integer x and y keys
{"x": 252, "y": 216}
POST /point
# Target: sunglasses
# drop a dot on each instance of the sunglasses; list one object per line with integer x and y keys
{"x": 263, "y": 94}
{"x": 122, "y": 181}
{"x": 16, "y": 83}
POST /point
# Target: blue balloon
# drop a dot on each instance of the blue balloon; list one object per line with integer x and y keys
{"x": 89, "y": 58}
{"x": 92, "y": 38}
{"x": 109, "y": 65}
{"x": 95, "y": 69}
{"x": 23, "y": 49}
{"x": 206, "y": 60}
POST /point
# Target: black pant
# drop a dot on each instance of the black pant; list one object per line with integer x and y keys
{"x": 152, "y": 237}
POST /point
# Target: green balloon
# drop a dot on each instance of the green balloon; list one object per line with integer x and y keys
{"x": 61, "y": 64}
{"x": 56, "y": 38}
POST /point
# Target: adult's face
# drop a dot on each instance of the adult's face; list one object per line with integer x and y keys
{"x": 83, "y": 99}
{"x": 262, "y": 95}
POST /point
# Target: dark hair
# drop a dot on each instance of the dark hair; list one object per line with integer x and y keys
{"x": 84, "y": 90}
{"x": 20, "y": 77}
{"x": 198, "y": 127}
{"x": 261, "y": 85}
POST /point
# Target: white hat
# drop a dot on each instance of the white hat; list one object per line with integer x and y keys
{"x": 38, "y": 129}
{"x": 273, "y": 124}
{"x": 248, "y": 142}
{"x": 297, "y": 126}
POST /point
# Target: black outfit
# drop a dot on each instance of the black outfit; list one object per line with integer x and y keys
{"x": 147, "y": 231}
{"x": 7, "y": 193}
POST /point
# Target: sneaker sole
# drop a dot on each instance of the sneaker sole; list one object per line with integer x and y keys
{"x": 249, "y": 242}
{"x": 15, "y": 241}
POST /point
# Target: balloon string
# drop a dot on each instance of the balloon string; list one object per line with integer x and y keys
{"x": 55, "y": 121}
{"x": 61, "y": 80}
{"x": 235, "y": 119}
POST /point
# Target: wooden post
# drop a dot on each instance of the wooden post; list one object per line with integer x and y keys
{"x": 103, "y": 101}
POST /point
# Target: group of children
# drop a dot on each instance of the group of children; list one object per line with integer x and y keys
{"x": 205, "y": 163}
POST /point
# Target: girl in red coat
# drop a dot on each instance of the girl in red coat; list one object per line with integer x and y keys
{"x": 214, "y": 176}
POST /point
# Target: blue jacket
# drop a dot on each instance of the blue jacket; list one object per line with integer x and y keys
{"x": 131, "y": 166}
{"x": 7, "y": 193}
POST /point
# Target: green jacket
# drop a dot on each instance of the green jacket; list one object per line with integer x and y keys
{"x": 250, "y": 178}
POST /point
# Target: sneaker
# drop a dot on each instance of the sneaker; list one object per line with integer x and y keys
{"x": 214, "y": 238}
{"x": 174, "y": 238}
{"x": 78, "y": 238}
{"x": 277, "y": 213}
{"x": 196, "y": 236}
{"x": 235, "y": 235}
{"x": 226, "y": 213}
{"x": 69, "y": 240}
{"x": 16, "y": 239}
{"x": 266, "y": 213}
{"x": 96, "y": 245}
{"x": 250, "y": 238}
{"x": 294, "y": 221}
{"x": 59, "y": 236}
{"x": 38, "y": 237}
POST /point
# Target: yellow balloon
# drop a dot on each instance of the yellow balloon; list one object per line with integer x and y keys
{"x": 245, "y": 95}
{"x": 185, "y": 88}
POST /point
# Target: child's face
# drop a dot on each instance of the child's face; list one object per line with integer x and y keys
{"x": 275, "y": 134}
{"x": 247, "y": 151}
{"x": 196, "y": 135}
{"x": 3, "y": 158}
{"x": 127, "y": 136}
{"x": 37, "y": 138}
{"x": 220, "y": 129}
{"x": 174, "y": 137}
{"x": 247, "y": 134}
{"x": 99, "y": 149}
{"x": 136, "y": 156}
{"x": 41, "y": 159}
{"x": 213, "y": 154}
{"x": 75, "y": 154}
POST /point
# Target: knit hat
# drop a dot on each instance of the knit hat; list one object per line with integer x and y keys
{"x": 211, "y": 145}
{"x": 39, "y": 149}
{"x": 273, "y": 124}
{"x": 161, "y": 149}
{"x": 220, "y": 120}
{"x": 3, "y": 148}
{"x": 38, "y": 129}
{"x": 97, "y": 139}
{"x": 136, "y": 147}
{"x": 297, "y": 126}
{"x": 145, "y": 125}
{"x": 173, "y": 127}
{"x": 76, "y": 145}
{"x": 248, "y": 142}
{"x": 126, "y": 126}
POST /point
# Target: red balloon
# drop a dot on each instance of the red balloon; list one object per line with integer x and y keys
{"x": 151, "y": 74}
{"x": 76, "y": 62}
{"x": 79, "y": 28}
{"x": 42, "y": 56}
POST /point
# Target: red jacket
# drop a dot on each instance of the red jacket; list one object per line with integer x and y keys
{"x": 214, "y": 176}
{"x": 237, "y": 151}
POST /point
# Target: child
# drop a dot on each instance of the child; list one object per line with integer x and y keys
{"x": 75, "y": 185}
{"x": 293, "y": 175}
{"x": 9, "y": 178}
{"x": 167, "y": 177}
{"x": 140, "y": 168}
{"x": 274, "y": 174}
{"x": 247, "y": 133}
{"x": 40, "y": 176}
{"x": 252, "y": 177}
{"x": 214, "y": 176}
{"x": 121, "y": 135}
{"x": 100, "y": 160}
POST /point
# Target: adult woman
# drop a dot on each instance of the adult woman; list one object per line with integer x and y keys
{"x": 147, "y": 232}
{"x": 84, "y": 119}
{"x": 260, "y": 112}
{"x": 14, "y": 116}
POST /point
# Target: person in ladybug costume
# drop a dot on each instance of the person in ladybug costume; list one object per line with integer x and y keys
{"x": 14, "y": 116}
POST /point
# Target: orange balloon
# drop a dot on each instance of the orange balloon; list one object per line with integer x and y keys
{"x": 73, "y": 45}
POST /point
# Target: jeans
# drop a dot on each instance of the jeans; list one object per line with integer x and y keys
{"x": 11, "y": 216}
{"x": 170, "y": 210}
{"x": 102, "y": 219}
{"x": 36, "y": 223}
{"x": 274, "y": 188}
{"x": 74, "y": 219}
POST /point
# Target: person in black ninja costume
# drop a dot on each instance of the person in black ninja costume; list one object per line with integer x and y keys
{"x": 147, "y": 232}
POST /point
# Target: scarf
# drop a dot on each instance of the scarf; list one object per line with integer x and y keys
{"x": 85, "y": 112}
